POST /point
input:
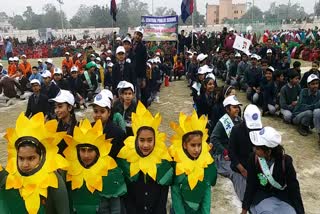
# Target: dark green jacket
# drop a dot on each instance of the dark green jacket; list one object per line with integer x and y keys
{"x": 57, "y": 201}
{"x": 198, "y": 200}
{"x": 307, "y": 101}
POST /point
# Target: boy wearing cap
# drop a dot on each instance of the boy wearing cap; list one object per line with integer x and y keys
{"x": 272, "y": 185}
{"x": 76, "y": 87}
{"x": 59, "y": 80}
{"x": 50, "y": 66}
{"x": 122, "y": 70}
{"x": 68, "y": 62}
{"x": 306, "y": 113}
{"x": 102, "y": 106}
{"x": 12, "y": 68}
{"x": 240, "y": 145}
{"x": 126, "y": 104}
{"x": 108, "y": 82}
{"x": 242, "y": 66}
{"x": 289, "y": 95}
{"x": 90, "y": 80}
{"x": 314, "y": 70}
{"x": 37, "y": 102}
{"x": 35, "y": 74}
{"x": 80, "y": 63}
{"x": 269, "y": 92}
{"x": 25, "y": 66}
{"x": 42, "y": 67}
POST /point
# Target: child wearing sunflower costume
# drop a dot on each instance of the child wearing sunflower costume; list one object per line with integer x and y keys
{"x": 145, "y": 162}
{"x": 195, "y": 169}
{"x": 95, "y": 180}
{"x": 30, "y": 183}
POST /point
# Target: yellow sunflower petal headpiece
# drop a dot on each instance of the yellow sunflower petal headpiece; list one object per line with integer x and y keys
{"x": 148, "y": 164}
{"x": 76, "y": 172}
{"x": 194, "y": 169}
{"x": 36, "y": 184}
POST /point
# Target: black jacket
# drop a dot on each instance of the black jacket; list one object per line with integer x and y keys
{"x": 140, "y": 59}
{"x": 118, "y": 107}
{"x": 240, "y": 146}
{"x": 127, "y": 75}
{"x": 76, "y": 86}
{"x": 118, "y": 136}
{"x": 62, "y": 127}
{"x": 145, "y": 196}
{"x": 286, "y": 174}
{"x": 41, "y": 106}
{"x": 51, "y": 90}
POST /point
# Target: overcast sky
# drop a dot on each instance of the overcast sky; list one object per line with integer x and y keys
{"x": 70, "y": 6}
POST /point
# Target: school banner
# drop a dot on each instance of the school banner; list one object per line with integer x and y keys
{"x": 242, "y": 44}
{"x": 160, "y": 28}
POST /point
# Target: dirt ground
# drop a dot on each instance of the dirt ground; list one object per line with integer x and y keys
{"x": 176, "y": 98}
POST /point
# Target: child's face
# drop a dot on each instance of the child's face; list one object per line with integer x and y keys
{"x": 110, "y": 69}
{"x": 57, "y": 77}
{"x": 35, "y": 88}
{"x": 233, "y": 111}
{"x": 74, "y": 74}
{"x": 210, "y": 86}
{"x": 261, "y": 153}
{"x": 201, "y": 77}
{"x": 146, "y": 142}
{"x": 100, "y": 113}
{"x": 87, "y": 155}
{"x": 285, "y": 59}
{"x": 127, "y": 95}
{"x": 120, "y": 56}
{"x": 62, "y": 110}
{"x": 264, "y": 66}
{"x": 280, "y": 78}
{"x": 34, "y": 71}
{"x": 315, "y": 66}
{"x": 47, "y": 80}
{"x": 28, "y": 159}
{"x": 268, "y": 75}
{"x": 193, "y": 146}
{"x": 295, "y": 81}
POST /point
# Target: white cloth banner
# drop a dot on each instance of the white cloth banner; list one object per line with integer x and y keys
{"x": 242, "y": 44}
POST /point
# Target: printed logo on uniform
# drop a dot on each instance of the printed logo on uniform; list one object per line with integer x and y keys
{"x": 255, "y": 116}
{"x": 235, "y": 98}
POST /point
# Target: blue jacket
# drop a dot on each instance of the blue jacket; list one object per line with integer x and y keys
{"x": 307, "y": 101}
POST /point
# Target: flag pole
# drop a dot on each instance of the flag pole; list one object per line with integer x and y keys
{"x": 192, "y": 19}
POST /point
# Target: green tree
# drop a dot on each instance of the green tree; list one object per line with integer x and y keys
{"x": 81, "y": 18}
{"x": 18, "y": 22}
{"x": 52, "y": 17}
{"x": 317, "y": 9}
{"x": 253, "y": 14}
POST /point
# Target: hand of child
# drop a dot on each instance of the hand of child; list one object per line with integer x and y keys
{"x": 226, "y": 155}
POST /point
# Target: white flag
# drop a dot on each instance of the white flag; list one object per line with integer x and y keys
{"x": 242, "y": 44}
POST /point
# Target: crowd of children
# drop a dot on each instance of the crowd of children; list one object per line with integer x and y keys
{"x": 120, "y": 163}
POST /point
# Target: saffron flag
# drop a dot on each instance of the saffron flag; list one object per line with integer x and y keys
{"x": 113, "y": 10}
{"x": 186, "y": 9}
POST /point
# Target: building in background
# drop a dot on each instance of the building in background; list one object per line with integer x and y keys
{"x": 216, "y": 14}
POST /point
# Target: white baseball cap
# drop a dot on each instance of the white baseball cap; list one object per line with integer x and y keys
{"x": 312, "y": 77}
{"x": 23, "y": 56}
{"x": 267, "y": 136}
{"x": 109, "y": 51}
{"x": 118, "y": 38}
{"x": 67, "y": 53}
{"x": 110, "y": 64}
{"x": 46, "y": 74}
{"x": 49, "y": 61}
{"x": 211, "y": 76}
{"x": 201, "y": 57}
{"x": 231, "y": 29}
{"x": 64, "y": 96}
{"x": 35, "y": 81}
{"x": 202, "y": 70}
{"x": 57, "y": 71}
{"x": 255, "y": 56}
{"x": 15, "y": 58}
{"x": 102, "y": 99}
{"x": 120, "y": 49}
{"x": 74, "y": 68}
{"x": 139, "y": 30}
{"x": 237, "y": 54}
{"x": 231, "y": 100}
{"x": 252, "y": 117}
{"x": 127, "y": 39}
{"x": 79, "y": 55}
{"x": 269, "y": 51}
{"x": 39, "y": 60}
{"x": 108, "y": 59}
{"x": 125, "y": 84}
{"x": 10, "y": 58}
{"x": 270, "y": 68}
{"x": 98, "y": 59}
